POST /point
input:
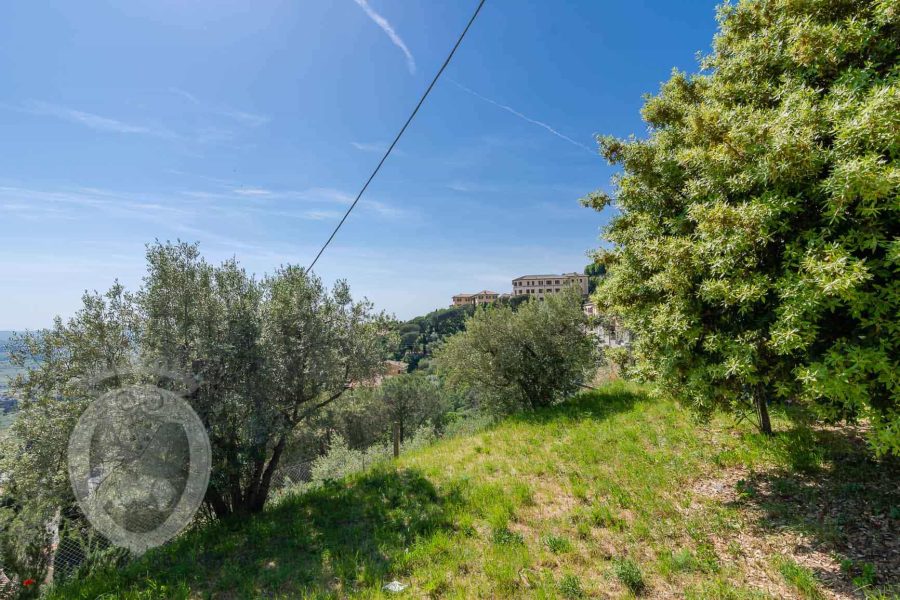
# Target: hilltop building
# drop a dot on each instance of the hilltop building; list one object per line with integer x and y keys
{"x": 540, "y": 286}
{"x": 482, "y": 297}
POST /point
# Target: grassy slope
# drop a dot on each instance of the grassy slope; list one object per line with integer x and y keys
{"x": 596, "y": 497}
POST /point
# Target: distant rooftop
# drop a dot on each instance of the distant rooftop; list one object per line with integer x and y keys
{"x": 550, "y": 276}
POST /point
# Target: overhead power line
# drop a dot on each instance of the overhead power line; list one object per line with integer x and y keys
{"x": 399, "y": 135}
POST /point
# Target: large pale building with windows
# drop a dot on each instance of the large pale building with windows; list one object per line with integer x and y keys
{"x": 482, "y": 297}
{"x": 540, "y": 286}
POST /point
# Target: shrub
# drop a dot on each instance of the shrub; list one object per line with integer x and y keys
{"x": 756, "y": 254}
{"x": 557, "y": 545}
{"x": 524, "y": 359}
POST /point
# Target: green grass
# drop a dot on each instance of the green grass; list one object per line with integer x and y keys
{"x": 590, "y": 498}
{"x": 629, "y": 573}
{"x": 801, "y": 578}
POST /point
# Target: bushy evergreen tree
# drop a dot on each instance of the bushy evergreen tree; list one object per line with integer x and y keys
{"x": 758, "y": 245}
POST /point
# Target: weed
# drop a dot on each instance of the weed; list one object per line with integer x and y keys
{"x": 505, "y": 537}
{"x": 583, "y": 530}
{"x": 557, "y": 545}
{"x": 800, "y": 577}
{"x": 603, "y": 516}
{"x": 745, "y": 489}
{"x": 570, "y": 587}
{"x": 682, "y": 561}
{"x": 863, "y": 574}
{"x": 628, "y": 572}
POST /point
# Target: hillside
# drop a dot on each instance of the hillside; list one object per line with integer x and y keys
{"x": 606, "y": 495}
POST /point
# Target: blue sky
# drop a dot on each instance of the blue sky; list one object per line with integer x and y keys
{"x": 249, "y": 126}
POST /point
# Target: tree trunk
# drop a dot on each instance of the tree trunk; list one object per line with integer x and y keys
{"x": 257, "y": 501}
{"x": 396, "y": 436}
{"x": 217, "y": 503}
{"x": 762, "y": 411}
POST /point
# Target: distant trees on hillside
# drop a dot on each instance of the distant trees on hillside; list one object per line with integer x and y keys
{"x": 756, "y": 249}
{"x": 419, "y": 336}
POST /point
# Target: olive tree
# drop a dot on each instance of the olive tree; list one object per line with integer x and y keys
{"x": 410, "y": 400}
{"x": 264, "y": 355}
{"x": 36, "y": 501}
{"x": 267, "y": 354}
{"x": 527, "y": 358}
{"x": 756, "y": 249}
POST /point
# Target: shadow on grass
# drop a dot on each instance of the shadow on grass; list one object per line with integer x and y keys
{"x": 831, "y": 489}
{"x": 596, "y": 404}
{"x": 326, "y": 542}
{"x": 346, "y": 536}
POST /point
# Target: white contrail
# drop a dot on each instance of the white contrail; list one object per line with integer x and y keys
{"x": 389, "y": 30}
{"x": 509, "y": 109}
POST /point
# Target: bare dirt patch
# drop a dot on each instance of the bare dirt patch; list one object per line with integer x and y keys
{"x": 833, "y": 519}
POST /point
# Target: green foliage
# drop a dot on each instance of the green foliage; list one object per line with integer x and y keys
{"x": 524, "y": 359}
{"x": 595, "y": 272}
{"x": 364, "y": 416}
{"x": 412, "y": 400}
{"x": 757, "y": 252}
{"x": 418, "y": 336}
{"x": 570, "y": 587}
{"x": 428, "y": 519}
{"x": 863, "y": 574}
{"x": 557, "y": 544}
{"x": 803, "y": 580}
{"x": 340, "y": 460}
{"x": 504, "y": 537}
{"x": 601, "y": 515}
{"x": 421, "y": 336}
{"x": 629, "y": 573}
{"x": 268, "y": 355}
